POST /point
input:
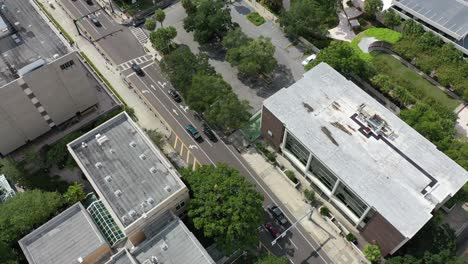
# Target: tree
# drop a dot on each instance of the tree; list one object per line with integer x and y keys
{"x": 74, "y": 193}
{"x": 372, "y": 7}
{"x": 205, "y": 90}
{"x": 225, "y": 206}
{"x": 181, "y": 64}
{"x": 159, "y": 16}
{"x": 309, "y": 18}
{"x": 58, "y": 154}
{"x": 157, "y": 137}
{"x": 235, "y": 38}
{"x": 412, "y": 28}
{"x": 189, "y": 7}
{"x": 228, "y": 113}
{"x": 162, "y": 38}
{"x": 253, "y": 58}
{"x": 274, "y": 5}
{"x": 391, "y": 19}
{"x": 372, "y": 253}
{"x": 270, "y": 259}
{"x": 342, "y": 58}
{"x": 13, "y": 171}
{"x": 150, "y": 24}
{"x": 444, "y": 257}
{"x": 211, "y": 21}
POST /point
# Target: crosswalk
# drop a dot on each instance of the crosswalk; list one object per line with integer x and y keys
{"x": 139, "y": 34}
{"x": 139, "y": 60}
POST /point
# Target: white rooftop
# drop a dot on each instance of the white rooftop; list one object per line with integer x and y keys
{"x": 401, "y": 174}
{"x": 125, "y": 168}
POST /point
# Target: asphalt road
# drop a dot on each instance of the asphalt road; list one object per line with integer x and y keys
{"x": 153, "y": 89}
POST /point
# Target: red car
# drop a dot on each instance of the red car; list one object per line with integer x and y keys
{"x": 275, "y": 232}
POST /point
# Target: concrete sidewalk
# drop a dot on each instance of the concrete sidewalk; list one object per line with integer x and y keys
{"x": 336, "y": 247}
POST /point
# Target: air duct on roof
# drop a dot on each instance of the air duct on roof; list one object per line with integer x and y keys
{"x": 167, "y": 188}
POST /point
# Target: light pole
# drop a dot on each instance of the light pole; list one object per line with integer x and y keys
{"x": 309, "y": 212}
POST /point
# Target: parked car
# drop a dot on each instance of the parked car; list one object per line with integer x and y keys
{"x": 137, "y": 69}
{"x": 95, "y": 21}
{"x": 275, "y": 232}
{"x": 209, "y": 133}
{"x": 175, "y": 95}
{"x": 193, "y": 132}
{"x": 309, "y": 59}
{"x": 89, "y": 2}
{"x": 276, "y": 212}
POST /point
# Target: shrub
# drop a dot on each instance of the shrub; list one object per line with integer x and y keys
{"x": 271, "y": 156}
{"x": 309, "y": 195}
{"x": 372, "y": 253}
{"x": 325, "y": 211}
{"x": 291, "y": 175}
{"x": 255, "y": 18}
{"x": 351, "y": 238}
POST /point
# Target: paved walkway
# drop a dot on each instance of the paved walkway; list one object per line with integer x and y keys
{"x": 343, "y": 31}
{"x": 337, "y": 248}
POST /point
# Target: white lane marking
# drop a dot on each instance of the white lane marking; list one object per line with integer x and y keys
{"x": 145, "y": 91}
{"x": 290, "y": 240}
{"x": 192, "y": 147}
{"x": 201, "y": 149}
{"x": 175, "y": 111}
{"x": 185, "y": 108}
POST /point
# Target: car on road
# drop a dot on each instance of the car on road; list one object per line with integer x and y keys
{"x": 95, "y": 21}
{"x": 175, "y": 95}
{"x": 137, "y": 69}
{"x": 275, "y": 232}
{"x": 209, "y": 133}
{"x": 193, "y": 132}
{"x": 309, "y": 59}
{"x": 276, "y": 212}
{"x": 89, "y": 2}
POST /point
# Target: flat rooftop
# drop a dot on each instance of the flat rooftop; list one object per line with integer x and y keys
{"x": 382, "y": 159}
{"x": 125, "y": 168}
{"x": 449, "y": 16}
{"x": 29, "y": 38}
{"x": 173, "y": 243}
{"x": 65, "y": 238}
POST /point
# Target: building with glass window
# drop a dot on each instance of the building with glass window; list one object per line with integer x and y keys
{"x": 379, "y": 172}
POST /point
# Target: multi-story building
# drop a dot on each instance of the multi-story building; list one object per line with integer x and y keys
{"x": 379, "y": 172}
{"x": 448, "y": 19}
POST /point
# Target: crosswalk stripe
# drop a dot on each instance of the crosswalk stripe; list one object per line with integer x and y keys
{"x": 139, "y": 35}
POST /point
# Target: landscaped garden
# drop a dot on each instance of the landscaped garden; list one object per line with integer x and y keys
{"x": 132, "y": 9}
{"x": 382, "y": 34}
{"x": 256, "y": 18}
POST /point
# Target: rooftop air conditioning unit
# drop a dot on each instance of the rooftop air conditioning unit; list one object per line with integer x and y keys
{"x": 118, "y": 192}
{"x": 112, "y": 151}
{"x": 132, "y": 144}
{"x": 80, "y": 260}
{"x": 153, "y": 170}
{"x": 164, "y": 246}
{"x": 150, "y": 200}
{"x": 98, "y": 165}
{"x": 101, "y": 139}
{"x": 132, "y": 213}
{"x": 108, "y": 178}
{"x": 143, "y": 157}
{"x": 154, "y": 260}
{"x": 167, "y": 188}
{"x": 84, "y": 145}
{"x": 124, "y": 219}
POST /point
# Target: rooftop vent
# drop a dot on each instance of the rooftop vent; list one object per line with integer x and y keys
{"x": 118, "y": 193}
{"x": 150, "y": 200}
{"x": 124, "y": 219}
{"x": 144, "y": 215}
{"x": 84, "y": 145}
{"x": 101, "y": 139}
{"x": 143, "y": 157}
{"x": 308, "y": 107}
{"x": 80, "y": 260}
{"x": 132, "y": 131}
{"x": 108, "y": 178}
{"x": 112, "y": 151}
{"x": 98, "y": 165}
{"x": 132, "y": 213}
{"x": 167, "y": 188}
{"x": 143, "y": 205}
{"x": 154, "y": 260}
{"x": 132, "y": 144}
{"x": 164, "y": 246}
{"x": 153, "y": 170}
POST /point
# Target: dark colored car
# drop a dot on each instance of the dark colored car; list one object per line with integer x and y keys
{"x": 209, "y": 133}
{"x": 137, "y": 69}
{"x": 193, "y": 132}
{"x": 175, "y": 95}
{"x": 138, "y": 22}
{"x": 95, "y": 21}
{"x": 89, "y": 2}
{"x": 277, "y": 214}
{"x": 275, "y": 232}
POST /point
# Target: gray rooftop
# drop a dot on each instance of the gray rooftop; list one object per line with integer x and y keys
{"x": 63, "y": 239}
{"x": 125, "y": 168}
{"x": 400, "y": 173}
{"x": 449, "y": 16}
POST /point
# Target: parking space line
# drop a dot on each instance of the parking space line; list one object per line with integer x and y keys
{"x": 175, "y": 142}
{"x": 188, "y": 157}
{"x": 181, "y": 151}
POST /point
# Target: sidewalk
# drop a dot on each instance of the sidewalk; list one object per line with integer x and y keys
{"x": 337, "y": 248}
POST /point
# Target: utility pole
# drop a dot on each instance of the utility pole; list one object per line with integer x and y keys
{"x": 309, "y": 212}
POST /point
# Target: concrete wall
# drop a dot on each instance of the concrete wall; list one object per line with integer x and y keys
{"x": 272, "y": 129}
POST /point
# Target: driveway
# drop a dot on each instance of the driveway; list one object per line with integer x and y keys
{"x": 254, "y": 91}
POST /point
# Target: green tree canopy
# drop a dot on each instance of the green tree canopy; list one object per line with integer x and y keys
{"x": 210, "y": 21}
{"x": 309, "y": 18}
{"x": 205, "y": 90}
{"x": 162, "y": 38}
{"x": 13, "y": 171}
{"x": 342, "y": 58}
{"x": 189, "y": 6}
{"x": 228, "y": 113}
{"x": 181, "y": 65}
{"x": 372, "y": 253}
{"x": 150, "y": 24}
{"x": 253, "y": 58}
{"x": 444, "y": 257}
{"x": 225, "y": 206}
{"x": 159, "y": 15}
{"x": 235, "y": 38}
{"x": 274, "y": 5}
{"x": 270, "y": 259}
{"x": 391, "y": 19}
{"x": 74, "y": 193}
{"x": 412, "y": 28}
{"x": 372, "y": 7}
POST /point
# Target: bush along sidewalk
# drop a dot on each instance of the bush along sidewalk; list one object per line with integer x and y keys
{"x": 270, "y": 156}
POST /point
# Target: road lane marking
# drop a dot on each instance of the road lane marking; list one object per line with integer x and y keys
{"x": 175, "y": 111}
{"x": 290, "y": 240}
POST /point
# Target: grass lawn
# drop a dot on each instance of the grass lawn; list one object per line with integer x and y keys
{"x": 383, "y": 34}
{"x": 255, "y": 18}
{"x": 409, "y": 79}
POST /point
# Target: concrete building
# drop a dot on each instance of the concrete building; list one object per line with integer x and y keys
{"x": 132, "y": 177}
{"x": 379, "y": 172}
{"x": 70, "y": 237}
{"x": 447, "y": 19}
{"x": 44, "y": 98}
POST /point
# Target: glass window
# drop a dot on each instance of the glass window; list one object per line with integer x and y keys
{"x": 351, "y": 200}
{"x": 297, "y": 149}
{"x": 322, "y": 174}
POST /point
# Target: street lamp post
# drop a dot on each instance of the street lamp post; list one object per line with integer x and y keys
{"x": 309, "y": 212}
